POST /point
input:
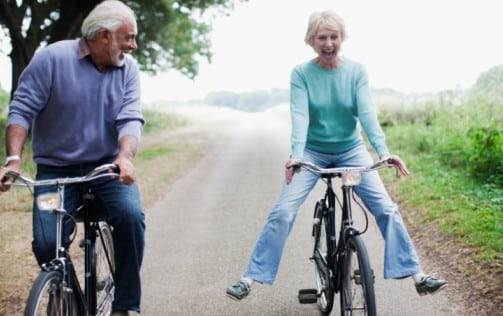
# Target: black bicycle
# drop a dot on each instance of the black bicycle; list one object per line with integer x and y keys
{"x": 57, "y": 289}
{"x": 341, "y": 265}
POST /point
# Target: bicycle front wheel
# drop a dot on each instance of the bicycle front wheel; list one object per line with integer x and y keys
{"x": 325, "y": 292}
{"x": 105, "y": 267}
{"x": 357, "y": 293}
{"x": 49, "y": 297}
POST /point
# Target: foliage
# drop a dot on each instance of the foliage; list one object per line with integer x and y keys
{"x": 454, "y": 147}
{"x": 3, "y": 122}
{"x": 172, "y": 34}
{"x": 4, "y": 99}
{"x": 255, "y": 101}
{"x": 489, "y": 85}
{"x": 486, "y": 155}
{"x": 156, "y": 121}
{"x": 466, "y": 133}
{"x": 4, "y": 102}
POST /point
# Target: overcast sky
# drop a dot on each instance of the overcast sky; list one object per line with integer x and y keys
{"x": 410, "y": 46}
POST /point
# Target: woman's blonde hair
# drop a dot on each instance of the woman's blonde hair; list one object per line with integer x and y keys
{"x": 328, "y": 19}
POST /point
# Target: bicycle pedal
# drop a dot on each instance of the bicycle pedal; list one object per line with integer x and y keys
{"x": 308, "y": 296}
{"x": 83, "y": 243}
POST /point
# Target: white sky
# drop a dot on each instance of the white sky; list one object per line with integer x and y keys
{"x": 410, "y": 46}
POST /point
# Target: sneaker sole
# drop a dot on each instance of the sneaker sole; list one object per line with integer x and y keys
{"x": 235, "y": 298}
{"x": 433, "y": 292}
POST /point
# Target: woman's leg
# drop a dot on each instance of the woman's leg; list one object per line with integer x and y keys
{"x": 266, "y": 256}
{"x": 400, "y": 258}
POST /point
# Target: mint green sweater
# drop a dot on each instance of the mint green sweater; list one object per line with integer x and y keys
{"x": 326, "y": 106}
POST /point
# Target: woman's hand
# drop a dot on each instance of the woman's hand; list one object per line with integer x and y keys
{"x": 397, "y": 161}
{"x": 289, "y": 170}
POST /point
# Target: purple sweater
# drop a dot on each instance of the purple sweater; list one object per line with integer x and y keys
{"x": 77, "y": 113}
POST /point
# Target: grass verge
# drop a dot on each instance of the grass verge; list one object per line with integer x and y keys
{"x": 456, "y": 219}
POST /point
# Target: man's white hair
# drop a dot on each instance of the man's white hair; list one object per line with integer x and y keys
{"x": 109, "y": 15}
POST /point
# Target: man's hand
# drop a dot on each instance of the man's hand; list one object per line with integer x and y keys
{"x": 127, "y": 171}
{"x": 6, "y": 181}
{"x": 289, "y": 170}
{"x": 127, "y": 149}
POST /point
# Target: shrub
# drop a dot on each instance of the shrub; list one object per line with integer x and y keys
{"x": 485, "y": 154}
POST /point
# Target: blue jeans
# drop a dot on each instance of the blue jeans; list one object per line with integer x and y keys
{"x": 400, "y": 258}
{"x": 124, "y": 214}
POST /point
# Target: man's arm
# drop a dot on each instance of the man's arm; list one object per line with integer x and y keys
{"x": 15, "y": 138}
{"x": 128, "y": 145}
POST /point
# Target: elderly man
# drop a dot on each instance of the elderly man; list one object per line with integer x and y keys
{"x": 81, "y": 99}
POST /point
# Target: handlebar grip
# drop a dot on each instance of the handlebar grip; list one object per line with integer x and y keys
{"x": 104, "y": 167}
{"x": 12, "y": 175}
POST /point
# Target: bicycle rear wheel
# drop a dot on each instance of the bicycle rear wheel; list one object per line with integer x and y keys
{"x": 357, "y": 293}
{"x": 325, "y": 292}
{"x": 48, "y": 297}
{"x": 105, "y": 268}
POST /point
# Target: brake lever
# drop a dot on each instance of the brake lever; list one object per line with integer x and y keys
{"x": 391, "y": 163}
{"x": 6, "y": 180}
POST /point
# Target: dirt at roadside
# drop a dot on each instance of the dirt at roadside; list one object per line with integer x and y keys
{"x": 477, "y": 288}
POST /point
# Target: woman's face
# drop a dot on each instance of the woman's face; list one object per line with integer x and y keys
{"x": 327, "y": 44}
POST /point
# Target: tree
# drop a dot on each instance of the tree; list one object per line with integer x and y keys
{"x": 490, "y": 85}
{"x": 172, "y": 33}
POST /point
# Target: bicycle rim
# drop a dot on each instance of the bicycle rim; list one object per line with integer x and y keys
{"x": 324, "y": 291}
{"x": 357, "y": 293}
{"x": 48, "y": 297}
{"x": 105, "y": 268}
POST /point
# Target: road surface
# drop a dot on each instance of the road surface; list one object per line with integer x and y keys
{"x": 201, "y": 234}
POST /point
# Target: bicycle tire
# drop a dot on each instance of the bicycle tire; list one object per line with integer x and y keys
{"x": 48, "y": 297}
{"x": 357, "y": 292}
{"x": 105, "y": 268}
{"x": 324, "y": 290}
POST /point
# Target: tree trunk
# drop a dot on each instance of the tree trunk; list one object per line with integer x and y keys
{"x": 19, "y": 62}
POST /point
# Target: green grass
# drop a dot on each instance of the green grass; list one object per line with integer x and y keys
{"x": 456, "y": 178}
{"x": 151, "y": 153}
{"x": 463, "y": 208}
{"x": 156, "y": 121}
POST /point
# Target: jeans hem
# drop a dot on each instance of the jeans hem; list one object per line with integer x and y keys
{"x": 403, "y": 275}
{"x": 259, "y": 280}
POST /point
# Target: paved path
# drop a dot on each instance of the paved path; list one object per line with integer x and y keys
{"x": 200, "y": 236}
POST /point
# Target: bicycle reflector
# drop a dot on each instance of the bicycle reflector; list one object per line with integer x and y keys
{"x": 48, "y": 201}
{"x": 351, "y": 178}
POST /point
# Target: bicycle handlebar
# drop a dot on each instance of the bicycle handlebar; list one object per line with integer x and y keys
{"x": 96, "y": 173}
{"x": 339, "y": 171}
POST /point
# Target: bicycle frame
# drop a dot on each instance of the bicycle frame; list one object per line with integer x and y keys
{"x": 91, "y": 213}
{"x": 86, "y": 302}
{"x": 342, "y": 265}
{"x": 335, "y": 249}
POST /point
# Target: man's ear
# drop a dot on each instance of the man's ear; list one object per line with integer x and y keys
{"x": 104, "y": 36}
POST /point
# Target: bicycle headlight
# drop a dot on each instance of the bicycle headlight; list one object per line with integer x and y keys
{"x": 48, "y": 201}
{"x": 351, "y": 178}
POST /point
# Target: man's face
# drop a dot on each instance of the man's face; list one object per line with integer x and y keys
{"x": 122, "y": 42}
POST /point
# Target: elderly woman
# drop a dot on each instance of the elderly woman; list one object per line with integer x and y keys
{"x": 329, "y": 96}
